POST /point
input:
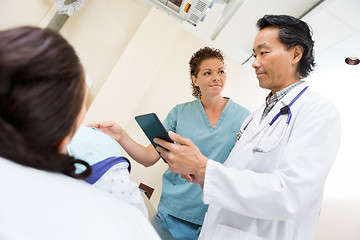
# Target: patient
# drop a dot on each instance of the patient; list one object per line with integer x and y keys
{"x": 111, "y": 171}
{"x": 42, "y": 103}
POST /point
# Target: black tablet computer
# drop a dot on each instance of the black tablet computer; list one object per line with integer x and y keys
{"x": 153, "y": 128}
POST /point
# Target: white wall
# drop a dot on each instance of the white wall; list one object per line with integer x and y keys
{"x": 341, "y": 208}
{"x": 100, "y": 32}
{"x": 14, "y": 13}
{"x": 129, "y": 81}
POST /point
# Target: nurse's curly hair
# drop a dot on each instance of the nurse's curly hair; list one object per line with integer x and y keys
{"x": 42, "y": 90}
{"x": 196, "y": 59}
{"x": 293, "y": 32}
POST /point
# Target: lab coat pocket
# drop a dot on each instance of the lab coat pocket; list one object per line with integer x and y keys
{"x": 230, "y": 233}
{"x": 267, "y": 161}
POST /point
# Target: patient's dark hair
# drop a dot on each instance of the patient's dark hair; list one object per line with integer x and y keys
{"x": 292, "y": 32}
{"x": 42, "y": 90}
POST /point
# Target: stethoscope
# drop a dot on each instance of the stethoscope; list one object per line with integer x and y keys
{"x": 284, "y": 110}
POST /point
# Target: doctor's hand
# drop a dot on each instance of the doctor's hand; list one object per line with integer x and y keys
{"x": 110, "y": 128}
{"x": 184, "y": 158}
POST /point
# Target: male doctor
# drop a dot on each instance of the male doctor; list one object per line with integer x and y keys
{"x": 271, "y": 186}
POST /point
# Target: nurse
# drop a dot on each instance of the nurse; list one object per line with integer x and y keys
{"x": 211, "y": 121}
{"x": 271, "y": 186}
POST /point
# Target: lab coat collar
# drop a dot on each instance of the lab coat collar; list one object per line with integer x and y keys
{"x": 256, "y": 126}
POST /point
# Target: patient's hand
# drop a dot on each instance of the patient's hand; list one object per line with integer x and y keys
{"x": 110, "y": 128}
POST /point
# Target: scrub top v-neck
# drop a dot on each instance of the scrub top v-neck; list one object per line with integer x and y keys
{"x": 205, "y": 117}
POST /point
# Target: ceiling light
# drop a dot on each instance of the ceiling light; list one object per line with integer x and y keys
{"x": 352, "y": 60}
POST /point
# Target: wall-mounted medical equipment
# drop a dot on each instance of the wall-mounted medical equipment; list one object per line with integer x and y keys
{"x": 192, "y": 11}
{"x": 68, "y": 7}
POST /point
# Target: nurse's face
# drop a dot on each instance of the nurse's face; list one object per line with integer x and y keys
{"x": 274, "y": 64}
{"x": 211, "y": 77}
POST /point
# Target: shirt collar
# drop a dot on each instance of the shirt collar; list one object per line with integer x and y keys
{"x": 273, "y": 98}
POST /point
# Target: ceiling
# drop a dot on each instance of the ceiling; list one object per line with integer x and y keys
{"x": 335, "y": 25}
{"x": 236, "y": 36}
{"x": 335, "y": 22}
{"x": 336, "y": 29}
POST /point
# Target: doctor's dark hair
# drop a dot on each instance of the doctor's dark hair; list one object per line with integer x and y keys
{"x": 293, "y": 32}
{"x": 42, "y": 90}
{"x": 196, "y": 59}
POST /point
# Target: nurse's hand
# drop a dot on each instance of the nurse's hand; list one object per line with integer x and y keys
{"x": 184, "y": 158}
{"x": 191, "y": 178}
{"x": 110, "y": 128}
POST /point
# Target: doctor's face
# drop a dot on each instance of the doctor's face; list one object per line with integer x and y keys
{"x": 273, "y": 64}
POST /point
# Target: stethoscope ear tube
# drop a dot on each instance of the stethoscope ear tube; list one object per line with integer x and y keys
{"x": 284, "y": 110}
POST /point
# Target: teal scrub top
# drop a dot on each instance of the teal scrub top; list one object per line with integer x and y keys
{"x": 180, "y": 198}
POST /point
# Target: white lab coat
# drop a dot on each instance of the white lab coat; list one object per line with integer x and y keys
{"x": 39, "y": 205}
{"x": 275, "y": 195}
